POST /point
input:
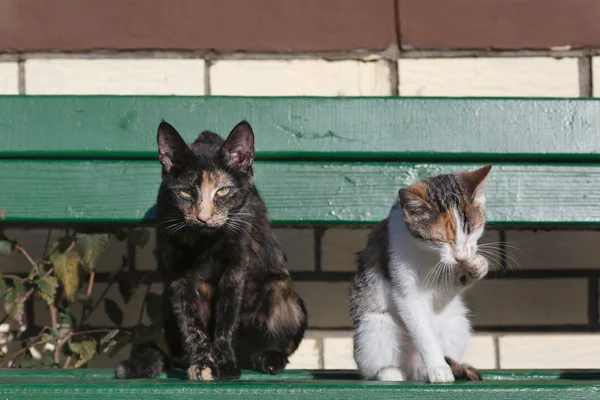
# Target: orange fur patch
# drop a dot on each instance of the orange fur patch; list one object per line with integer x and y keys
{"x": 445, "y": 228}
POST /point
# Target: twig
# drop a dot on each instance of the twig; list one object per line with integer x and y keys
{"x": 67, "y": 362}
{"x": 26, "y": 254}
{"x": 88, "y": 294}
{"x": 47, "y": 242}
{"x": 144, "y": 304}
{"x": 102, "y": 296}
{"x": 19, "y": 353}
{"x": 91, "y": 283}
{"x": 67, "y": 337}
{"x": 54, "y": 319}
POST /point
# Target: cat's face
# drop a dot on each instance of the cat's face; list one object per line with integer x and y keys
{"x": 206, "y": 182}
{"x": 447, "y": 213}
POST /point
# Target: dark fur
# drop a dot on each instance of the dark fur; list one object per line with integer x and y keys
{"x": 229, "y": 302}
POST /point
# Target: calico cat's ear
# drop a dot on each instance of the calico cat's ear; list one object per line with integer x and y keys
{"x": 414, "y": 198}
{"x": 238, "y": 149}
{"x": 172, "y": 149}
{"x": 475, "y": 182}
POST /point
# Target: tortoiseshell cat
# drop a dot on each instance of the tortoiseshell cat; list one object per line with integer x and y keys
{"x": 229, "y": 302}
{"x": 405, "y": 301}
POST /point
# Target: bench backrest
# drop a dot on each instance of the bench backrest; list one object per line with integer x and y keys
{"x": 93, "y": 159}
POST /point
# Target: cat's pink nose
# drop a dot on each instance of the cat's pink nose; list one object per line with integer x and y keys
{"x": 204, "y": 217}
{"x": 460, "y": 255}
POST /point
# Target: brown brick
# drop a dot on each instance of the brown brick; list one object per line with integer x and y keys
{"x": 267, "y": 25}
{"x": 506, "y": 302}
{"x": 501, "y": 24}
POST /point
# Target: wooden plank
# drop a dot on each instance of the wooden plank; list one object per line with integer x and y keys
{"x": 59, "y": 386}
{"x": 390, "y": 128}
{"x": 72, "y": 191}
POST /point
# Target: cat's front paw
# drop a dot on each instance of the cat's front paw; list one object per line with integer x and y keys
{"x": 472, "y": 270}
{"x": 228, "y": 370}
{"x": 440, "y": 374}
{"x": 202, "y": 372}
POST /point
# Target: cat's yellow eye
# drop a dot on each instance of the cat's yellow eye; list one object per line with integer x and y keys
{"x": 223, "y": 191}
{"x": 185, "y": 195}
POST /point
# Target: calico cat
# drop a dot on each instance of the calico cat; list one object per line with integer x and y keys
{"x": 229, "y": 302}
{"x": 405, "y": 300}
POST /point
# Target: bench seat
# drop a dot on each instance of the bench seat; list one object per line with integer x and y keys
{"x": 294, "y": 384}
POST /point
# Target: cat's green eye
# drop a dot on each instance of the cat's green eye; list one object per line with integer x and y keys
{"x": 223, "y": 191}
{"x": 185, "y": 195}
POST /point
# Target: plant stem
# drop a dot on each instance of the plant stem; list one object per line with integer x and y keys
{"x": 143, "y": 307}
{"x": 26, "y": 254}
{"x": 91, "y": 283}
{"x": 67, "y": 337}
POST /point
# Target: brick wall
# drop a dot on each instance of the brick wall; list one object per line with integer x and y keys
{"x": 538, "y": 48}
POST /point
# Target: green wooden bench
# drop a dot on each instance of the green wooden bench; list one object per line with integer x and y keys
{"x": 320, "y": 161}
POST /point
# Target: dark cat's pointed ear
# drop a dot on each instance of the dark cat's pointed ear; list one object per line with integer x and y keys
{"x": 172, "y": 149}
{"x": 475, "y": 182}
{"x": 238, "y": 149}
{"x": 413, "y": 198}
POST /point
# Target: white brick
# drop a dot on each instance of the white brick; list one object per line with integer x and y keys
{"x": 306, "y": 356}
{"x": 338, "y": 353}
{"x": 9, "y": 78}
{"x": 553, "y": 249}
{"x": 326, "y": 303}
{"x": 550, "y": 351}
{"x": 596, "y": 76}
{"x": 482, "y": 352}
{"x": 528, "y": 302}
{"x": 298, "y": 245}
{"x": 300, "y": 78}
{"x": 115, "y": 76}
{"x": 538, "y": 76}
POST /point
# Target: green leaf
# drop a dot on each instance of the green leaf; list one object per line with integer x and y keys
{"x": 86, "y": 301}
{"x": 14, "y": 306}
{"x": 92, "y": 246}
{"x": 48, "y": 361}
{"x": 62, "y": 244}
{"x": 3, "y": 287}
{"x": 18, "y": 285}
{"x": 114, "y": 311}
{"x": 67, "y": 318}
{"x": 47, "y": 288}
{"x": 127, "y": 287}
{"x": 120, "y": 343}
{"x": 140, "y": 237}
{"x": 67, "y": 271}
{"x": 6, "y": 245}
{"x": 85, "y": 349}
{"x": 153, "y": 306}
{"x": 29, "y": 363}
{"x": 121, "y": 234}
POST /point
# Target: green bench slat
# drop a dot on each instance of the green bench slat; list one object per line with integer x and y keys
{"x": 330, "y": 385}
{"x": 106, "y": 191}
{"x": 320, "y": 128}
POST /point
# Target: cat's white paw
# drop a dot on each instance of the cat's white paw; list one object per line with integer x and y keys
{"x": 440, "y": 374}
{"x": 477, "y": 266}
{"x": 390, "y": 374}
{"x": 472, "y": 270}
